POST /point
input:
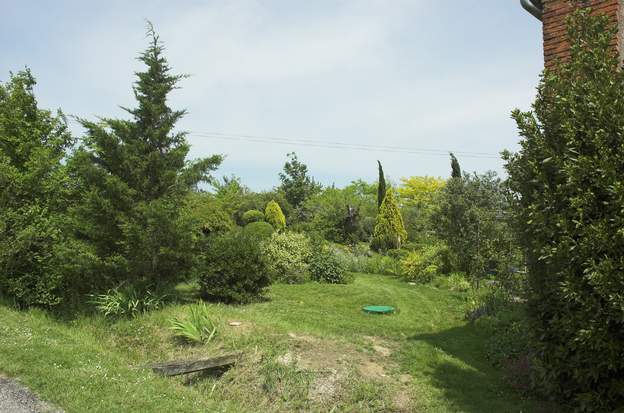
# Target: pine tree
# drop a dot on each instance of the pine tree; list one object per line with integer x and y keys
{"x": 389, "y": 229}
{"x": 455, "y": 168}
{"x": 274, "y": 216}
{"x": 381, "y": 186}
{"x": 134, "y": 178}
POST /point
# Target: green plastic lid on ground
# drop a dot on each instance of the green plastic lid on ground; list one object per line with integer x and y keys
{"x": 378, "y": 309}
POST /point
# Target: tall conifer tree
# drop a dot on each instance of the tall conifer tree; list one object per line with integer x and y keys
{"x": 134, "y": 177}
{"x": 381, "y": 186}
{"x": 455, "y": 168}
{"x": 389, "y": 228}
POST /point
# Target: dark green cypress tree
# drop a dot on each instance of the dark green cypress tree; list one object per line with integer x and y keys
{"x": 381, "y": 186}
{"x": 133, "y": 179}
{"x": 455, "y": 168}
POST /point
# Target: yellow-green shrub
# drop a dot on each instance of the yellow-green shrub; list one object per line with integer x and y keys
{"x": 274, "y": 216}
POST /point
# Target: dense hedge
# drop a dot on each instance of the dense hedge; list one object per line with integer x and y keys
{"x": 569, "y": 182}
{"x": 234, "y": 269}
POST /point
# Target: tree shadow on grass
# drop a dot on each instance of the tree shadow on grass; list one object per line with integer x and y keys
{"x": 470, "y": 382}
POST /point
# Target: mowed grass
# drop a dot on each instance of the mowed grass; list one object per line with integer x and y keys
{"x": 306, "y": 348}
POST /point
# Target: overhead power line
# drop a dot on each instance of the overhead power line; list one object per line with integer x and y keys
{"x": 340, "y": 145}
{"x": 336, "y": 144}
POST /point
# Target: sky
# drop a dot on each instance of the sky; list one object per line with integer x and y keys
{"x": 342, "y": 83}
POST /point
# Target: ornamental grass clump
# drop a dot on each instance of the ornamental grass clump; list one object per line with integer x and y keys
{"x": 196, "y": 327}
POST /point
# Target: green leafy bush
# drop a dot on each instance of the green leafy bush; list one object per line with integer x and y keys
{"x": 422, "y": 265}
{"x": 287, "y": 255}
{"x": 274, "y": 216}
{"x": 127, "y": 302}
{"x": 471, "y": 221}
{"x": 41, "y": 263}
{"x": 389, "y": 229}
{"x": 368, "y": 262}
{"x": 207, "y": 214}
{"x": 196, "y": 327}
{"x": 486, "y": 302}
{"x": 568, "y": 183}
{"x": 454, "y": 282}
{"x": 260, "y": 230}
{"x": 253, "y": 215}
{"x": 382, "y": 264}
{"x": 326, "y": 266}
{"x": 234, "y": 269}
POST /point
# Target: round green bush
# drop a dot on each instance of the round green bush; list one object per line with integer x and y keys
{"x": 234, "y": 269}
{"x": 287, "y": 255}
{"x": 259, "y": 230}
{"x": 253, "y": 215}
{"x": 326, "y": 266}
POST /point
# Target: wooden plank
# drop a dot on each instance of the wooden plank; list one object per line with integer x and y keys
{"x": 175, "y": 368}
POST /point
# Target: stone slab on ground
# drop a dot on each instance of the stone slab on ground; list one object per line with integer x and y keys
{"x": 15, "y": 398}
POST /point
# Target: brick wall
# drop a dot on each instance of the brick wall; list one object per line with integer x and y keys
{"x": 556, "y": 45}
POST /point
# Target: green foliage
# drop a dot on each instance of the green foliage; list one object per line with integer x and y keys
{"x": 381, "y": 186}
{"x": 471, "y": 220}
{"x": 196, "y": 327}
{"x": 40, "y": 261}
{"x": 234, "y": 268}
{"x": 569, "y": 187}
{"x": 287, "y": 255}
{"x": 326, "y": 266}
{"x": 260, "y": 230}
{"x": 297, "y": 185}
{"x": 373, "y": 264}
{"x": 132, "y": 176}
{"x": 207, "y": 214}
{"x": 127, "y": 302}
{"x": 253, "y": 215}
{"x": 274, "y": 216}
{"x": 486, "y": 302}
{"x": 258, "y": 200}
{"x": 509, "y": 338}
{"x": 454, "y": 282}
{"x": 389, "y": 230}
{"x": 419, "y": 197}
{"x": 422, "y": 265}
{"x": 337, "y": 213}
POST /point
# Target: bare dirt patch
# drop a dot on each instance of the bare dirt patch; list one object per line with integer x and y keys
{"x": 334, "y": 361}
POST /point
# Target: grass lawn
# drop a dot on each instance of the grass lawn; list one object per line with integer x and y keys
{"x": 308, "y": 348}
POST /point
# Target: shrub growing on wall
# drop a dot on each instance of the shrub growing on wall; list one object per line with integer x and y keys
{"x": 569, "y": 181}
{"x": 274, "y": 216}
